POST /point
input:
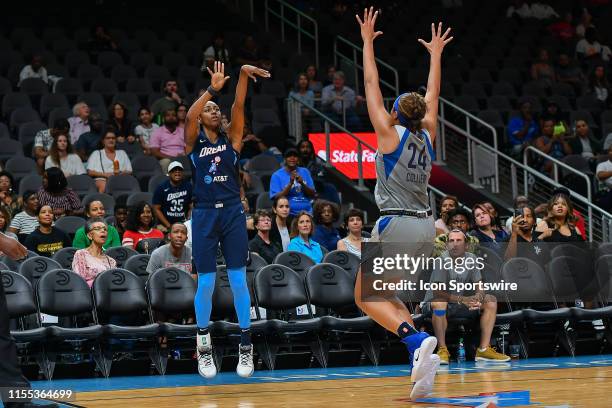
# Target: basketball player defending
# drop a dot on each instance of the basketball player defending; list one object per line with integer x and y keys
{"x": 403, "y": 166}
{"x": 218, "y": 215}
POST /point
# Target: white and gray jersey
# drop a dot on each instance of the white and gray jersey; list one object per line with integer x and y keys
{"x": 402, "y": 177}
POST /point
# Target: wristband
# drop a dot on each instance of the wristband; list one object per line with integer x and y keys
{"x": 212, "y": 91}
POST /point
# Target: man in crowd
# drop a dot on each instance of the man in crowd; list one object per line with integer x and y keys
{"x": 340, "y": 101}
{"x": 90, "y": 141}
{"x": 167, "y": 141}
{"x": 460, "y": 219}
{"x": 524, "y": 242}
{"x": 79, "y": 122}
{"x": 175, "y": 253}
{"x": 172, "y": 198}
{"x": 170, "y": 100}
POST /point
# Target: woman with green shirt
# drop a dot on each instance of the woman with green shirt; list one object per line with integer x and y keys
{"x": 95, "y": 209}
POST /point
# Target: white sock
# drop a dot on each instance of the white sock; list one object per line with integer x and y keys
{"x": 482, "y": 350}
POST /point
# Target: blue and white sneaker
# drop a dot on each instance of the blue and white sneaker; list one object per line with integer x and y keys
{"x": 422, "y": 358}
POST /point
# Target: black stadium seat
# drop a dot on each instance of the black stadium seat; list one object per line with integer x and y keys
{"x": 297, "y": 261}
{"x": 120, "y": 254}
{"x": 148, "y": 245}
{"x": 344, "y": 259}
{"x": 65, "y": 256}
{"x": 137, "y": 264}
{"x": 34, "y": 268}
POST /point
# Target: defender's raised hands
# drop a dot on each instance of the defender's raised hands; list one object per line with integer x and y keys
{"x": 254, "y": 72}
{"x": 367, "y": 25}
{"x": 438, "y": 40}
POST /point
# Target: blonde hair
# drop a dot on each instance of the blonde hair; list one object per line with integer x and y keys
{"x": 413, "y": 107}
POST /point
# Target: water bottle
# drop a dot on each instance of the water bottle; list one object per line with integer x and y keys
{"x": 461, "y": 352}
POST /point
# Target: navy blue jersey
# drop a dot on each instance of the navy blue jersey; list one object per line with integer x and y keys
{"x": 215, "y": 175}
{"x": 174, "y": 201}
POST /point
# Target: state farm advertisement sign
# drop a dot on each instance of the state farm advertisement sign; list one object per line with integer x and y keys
{"x": 344, "y": 152}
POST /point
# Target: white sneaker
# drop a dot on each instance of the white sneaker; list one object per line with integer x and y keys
{"x": 245, "y": 365}
{"x": 424, "y": 386}
{"x": 421, "y": 357}
{"x": 206, "y": 362}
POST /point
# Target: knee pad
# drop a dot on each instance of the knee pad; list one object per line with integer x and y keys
{"x": 439, "y": 312}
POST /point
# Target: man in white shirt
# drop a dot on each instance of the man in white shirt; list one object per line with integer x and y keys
{"x": 79, "y": 123}
{"x": 36, "y": 69}
{"x": 604, "y": 175}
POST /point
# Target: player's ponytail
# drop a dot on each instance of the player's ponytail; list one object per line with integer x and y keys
{"x": 411, "y": 109}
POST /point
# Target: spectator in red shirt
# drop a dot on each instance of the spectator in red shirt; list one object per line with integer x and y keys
{"x": 140, "y": 225}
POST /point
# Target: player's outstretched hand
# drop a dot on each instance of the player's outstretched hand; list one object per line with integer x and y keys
{"x": 254, "y": 72}
{"x": 367, "y": 25}
{"x": 438, "y": 40}
{"x": 217, "y": 76}
{"x": 12, "y": 248}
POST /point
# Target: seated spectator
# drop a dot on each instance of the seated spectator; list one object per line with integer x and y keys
{"x": 496, "y": 222}
{"x": 604, "y": 175}
{"x": 26, "y": 221}
{"x": 101, "y": 40}
{"x": 303, "y": 93}
{"x": 121, "y": 216}
{"x": 559, "y": 224}
{"x": 520, "y": 201}
{"x": 140, "y": 225}
{"x": 456, "y": 303}
{"x": 561, "y": 128}
{"x": 181, "y": 115}
{"x": 581, "y": 142}
{"x": 46, "y": 239}
{"x": 460, "y": 219}
{"x": 483, "y": 230}
{"x": 36, "y": 69}
{"x": 94, "y": 210}
{"x": 56, "y": 193}
{"x": 313, "y": 83}
{"x": 590, "y": 49}
{"x": 8, "y": 197}
{"x": 44, "y": 139}
{"x": 118, "y": 120}
{"x": 569, "y": 73}
{"x": 168, "y": 141}
{"x": 145, "y": 129}
{"x": 189, "y": 233}
{"x": 175, "y": 253}
{"x": 262, "y": 244}
{"x": 293, "y": 182}
{"x": 90, "y": 141}
{"x": 339, "y": 102}
{"x": 447, "y": 204}
{"x": 329, "y": 79}
{"x": 325, "y": 215}
{"x": 172, "y": 198}
{"x": 580, "y": 223}
{"x": 79, "y": 122}
{"x": 91, "y": 261}
{"x": 170, "y": 100}
{"x": 353, "y": 222}
{"x": 62, "y": 156}
{"x": 302, "y": 229}
{"x": 107, "y": 161}
{"x": 280, "y": 231}
{"x": 317, "y": 170}
{"x": 599, "y": 85}
{"x": 5, "y": 221}
{"x": 216, "y": 52}
{"x": 522, "y": 129}
{"x": 555, "y": 146}
{"x": 541, "y": 70}
{"x": 523, "y": 236}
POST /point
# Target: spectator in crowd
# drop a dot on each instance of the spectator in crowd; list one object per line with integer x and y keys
{"x": 599, "y": 86}
{"x": 79, "y": 122}
{"x": 329, "y": 79}
{"x": 589, "y": 49}
{"x": 460, "y": 219}
{"x": 447, "y": 204}
{"x": 172, "y": 198}
{"x": 145, "y": 129}
{"x": 522, "y": 129}
{"x": 121, "y": 217}
{"x": 280, "y": 231}
{"x": 563, "y": 29}
{"x": 569, "y": 73}
{"x": 303, "y": 93}
{"x": 26, "y": 221}
{"x": 56, "y": 193}
{"x": 314, "y": 164}
{"x": 167, "y": 141}
{"x": 262, "y": 244}
{"x": 90, "y": 141}
{"x": 140, "y": 225}
{"x": 541, "y": 70}
{"x": 62, "y": 156}
{"x": 561, "y": 128}
{"x": 523, "y": 237}
{"x": 107, "y": 161}
{"x": 555, "y": 146}
{"x": 559, "y": 224}
{"x": 216, "y": 52}
{"x": 326, "y": 214}
{"x": 483, "y": 230}
{"x": 5, "y": 221}
{"x": 131, "y": 146}
{"x": 496, "y": 222}
{"x": 353, "y": 222}
{"x": 101, "y": 40}
{"x": 189, "y": 234}
{"x": 91, "y": 261}
{"x": 293, "y": 182}
{"x": 44, "y": 139}
{"x": 118, "y": 120}
{"x": 580, "y": 223}
{"x": 95, "y": 210}
{"x": 170, "y": 100}
{"x": 339, "y": 101}
{"x": 461, "y": 303}
{"x": 173, "y": 254}
{"x": 604, "y": 175}
{"x": 252, "y": 145}
{"x": 46, "y": 240}
{"x": 520, "y": 201}
{"x": 313, "y": 83}
{"x": 36, "y": 69}
{"x": 586, "y": 21}
{"x": 181, "y": 115}
{"x": 302, "y": 230}
{"x": 8, "y": 198}
{"x": 582, "y": 143}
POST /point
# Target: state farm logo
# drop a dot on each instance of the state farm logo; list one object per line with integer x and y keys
{"x": 341, "y": 156}
{"x": 344, "y": 152}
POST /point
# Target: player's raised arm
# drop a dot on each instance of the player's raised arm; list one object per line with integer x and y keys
{"x": 236, "y": 127}
{"x": 379, "y": 116}
{"x": 435, "y": 48}
{"x": 217, "y": 80}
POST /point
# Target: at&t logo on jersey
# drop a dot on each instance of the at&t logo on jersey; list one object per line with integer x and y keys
{"x": 216, "y": 179}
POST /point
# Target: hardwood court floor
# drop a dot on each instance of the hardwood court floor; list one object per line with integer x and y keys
{"x": 574, "y": 387}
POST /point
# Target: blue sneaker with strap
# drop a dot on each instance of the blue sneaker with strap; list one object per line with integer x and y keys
{"x": 420, "y": 346}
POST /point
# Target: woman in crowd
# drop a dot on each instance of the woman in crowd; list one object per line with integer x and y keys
{"x": 26, "y": 221}
{"x": 262, "y": 244}
{"x": 95, "y": 209}
{"x": 108, "y": 161}
{"x": 302, "y": 230}
{"x": 145, "y": 128}
{"x": 140, "y": 225}
{"x": 46, "y": 240}
{"x": 484, "y": 231}
{"x": 56, "y": 193}
{"x": 5, "y": 221}
{"x": 181, "y": 115}
{"x": 448, "y": 203}
{"x": 303, "y": 93}
{"x": 599, "y": 86}
{"x": 325, "y": 215}
{"x": 62, "y": 156}
{"x": 559, "y": 224}
{"x": 91, "y": 261}
{"x": 118, "y": 120}
{"x": 497, "y": 225}
{"x": 354, "y": 224}
{"x": 552, "y": 112}
{"x": 281, "y": 222}
{"x": 8, "y": 198}
{"x": 313, "y": 83}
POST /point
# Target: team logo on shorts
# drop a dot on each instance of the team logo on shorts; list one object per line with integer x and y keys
{"x": 208, "y": 179}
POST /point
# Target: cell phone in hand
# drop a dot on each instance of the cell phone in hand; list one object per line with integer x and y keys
{"x": 518, "y": 212}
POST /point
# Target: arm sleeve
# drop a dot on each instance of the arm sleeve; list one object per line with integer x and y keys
{"x": 126, "y": 165}
{"x": 78, "y": 165}
{"x": 326, "y": 96}
{"x": 275, "y": 184}
{"x": 16, "y": 222}
{"x": 73, "y": 199}
{"x": 80, "y": 239}
{"x": 93, "y": 163}
{"x": 154, "y": 262}
{"x": 78, "y": 263}
{"x": 155, "y": 140}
